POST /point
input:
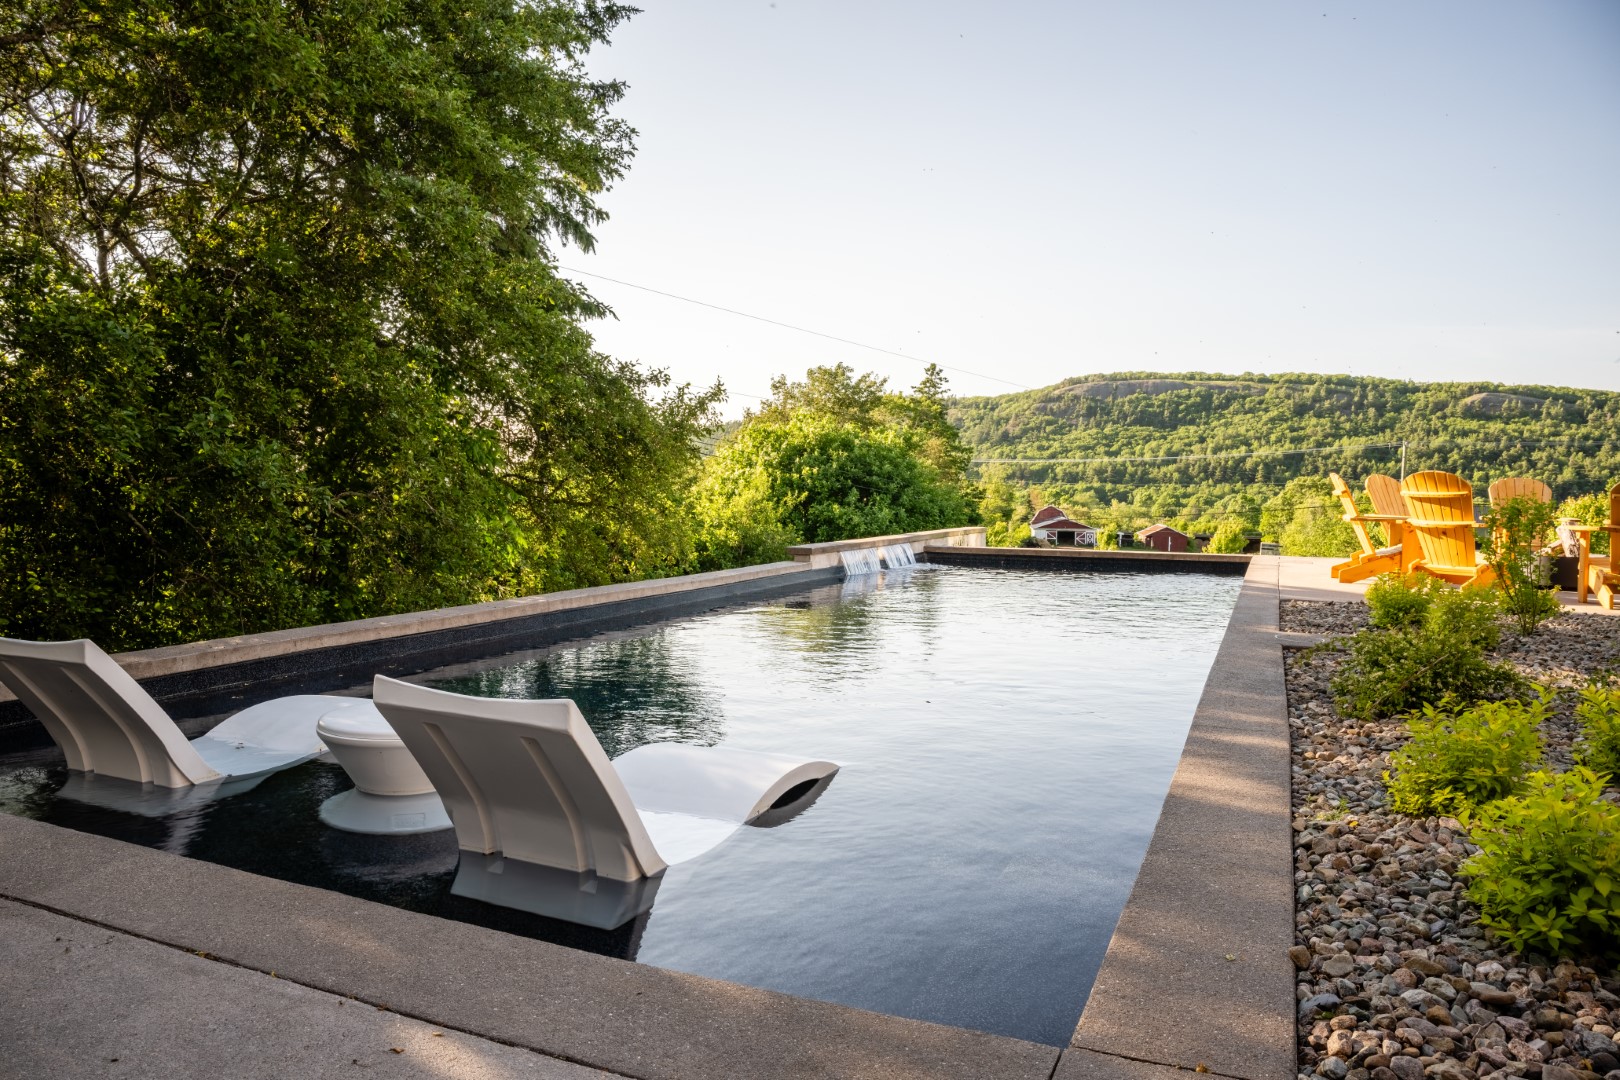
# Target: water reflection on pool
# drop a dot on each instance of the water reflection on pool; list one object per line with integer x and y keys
{"x": 1006, "y": 740}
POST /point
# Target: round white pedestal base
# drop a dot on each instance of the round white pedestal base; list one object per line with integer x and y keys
{"x": 359, "y": 812}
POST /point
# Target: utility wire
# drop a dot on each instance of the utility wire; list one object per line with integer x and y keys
{"x": 788, "y": 326}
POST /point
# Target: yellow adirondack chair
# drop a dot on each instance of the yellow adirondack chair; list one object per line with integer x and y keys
{"x": 1514, "y": 487}
{"x": 1517, "y": 487}
{"x": 1371, "y": 560}
{"x": 1440, "y": 513}
{"x": 1598, "y": 571}
{"x": 1385, "y": 493}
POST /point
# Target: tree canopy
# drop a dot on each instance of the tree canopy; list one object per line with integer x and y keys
{"x": 833, "y": 457}
{"x": 281, "y": 335}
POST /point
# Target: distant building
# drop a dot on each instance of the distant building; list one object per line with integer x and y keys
{"x": 1162, "y": 537}
{"x": 1046, "y": 513}
{"x": 1051, "y": 525}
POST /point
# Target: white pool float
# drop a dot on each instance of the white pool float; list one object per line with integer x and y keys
{"x": 547, "y": 824}
{"x": 110, "y": 728}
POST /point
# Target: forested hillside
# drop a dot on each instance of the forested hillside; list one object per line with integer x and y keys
{"x": 1570, "y": 438}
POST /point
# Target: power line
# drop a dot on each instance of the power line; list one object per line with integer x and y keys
{"x": 1179, "y": 457}
{"x": 788, "y": 326}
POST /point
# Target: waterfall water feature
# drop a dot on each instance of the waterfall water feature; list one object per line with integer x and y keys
{"x": 897, "y": 555}
{"x": 859, "y": 561}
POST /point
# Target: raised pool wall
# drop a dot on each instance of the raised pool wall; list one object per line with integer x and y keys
{"x": 1196, "y": 977}
{"x": 207, "y": 677}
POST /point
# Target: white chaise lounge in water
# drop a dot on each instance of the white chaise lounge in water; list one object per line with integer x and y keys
{"x": 547, "y": 824}
{"x": 110, "y": 729}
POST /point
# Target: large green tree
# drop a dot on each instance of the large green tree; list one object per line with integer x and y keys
{"x": 835, "y": 456}
{"x": 281, "y": 336}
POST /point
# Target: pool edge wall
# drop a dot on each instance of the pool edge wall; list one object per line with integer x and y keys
{"x": 1197, "y": 974}
{"x": 225, "y": 674}
{"x": 1216, "y": 882}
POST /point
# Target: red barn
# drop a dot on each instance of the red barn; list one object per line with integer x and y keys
{"x": 1162, "y": 537}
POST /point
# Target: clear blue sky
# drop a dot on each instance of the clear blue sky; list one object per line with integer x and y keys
{"x": 1419, "y": 190}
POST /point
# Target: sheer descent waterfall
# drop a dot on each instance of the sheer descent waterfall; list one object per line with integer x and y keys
{"x": 860, "y": 561}
{"x": 897, "y": 555}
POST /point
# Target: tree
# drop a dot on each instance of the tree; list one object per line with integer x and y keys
{"x": 833, "y": 457}
{"x": 281, "y": 336}
{"x": 1229, "y": 538}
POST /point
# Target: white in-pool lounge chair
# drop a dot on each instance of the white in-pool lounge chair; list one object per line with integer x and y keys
{"x": 108, "y": 727}
{"x": 547, "y": 824}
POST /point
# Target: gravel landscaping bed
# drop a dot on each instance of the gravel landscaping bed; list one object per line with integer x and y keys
{"x": 1395, "y": 979}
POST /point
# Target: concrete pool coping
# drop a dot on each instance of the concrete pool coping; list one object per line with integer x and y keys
{"x": 1216, "y": 883}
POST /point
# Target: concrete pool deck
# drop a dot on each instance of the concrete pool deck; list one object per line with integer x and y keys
{"x": 1197, "y": 974}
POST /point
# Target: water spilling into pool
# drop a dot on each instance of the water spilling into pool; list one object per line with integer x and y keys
{"x": 861, "y": 561}
{"x": 1006, "y": 740}
{"x": 897, "y": 556}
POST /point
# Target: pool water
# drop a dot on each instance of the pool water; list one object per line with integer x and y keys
{"x": 1006, "y": 738}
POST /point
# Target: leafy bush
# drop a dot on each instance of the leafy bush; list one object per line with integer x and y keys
{"x": 1461, "y": 759}
{"x": 1390, "y": 671}
{"x": 1549, "y": 861}
{"x": 1394, "y": 601}
{"x": 1515, "y": 532}
{"x": 1006, "y": 533}
{"x": 1599, "y": 713}
{"x": 1230, "y": 539}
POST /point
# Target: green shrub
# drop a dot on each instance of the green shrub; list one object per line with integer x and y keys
{"x": 1514, "y": 535}
{"x": 1396, "y": 601}
{"x": 1230, "y": 538}
{"x": 1460, "y": 759}
{"x": 1548, "y": 866}
{"x": 1397, "y": 670}
{"x": 1599, "y": 714}
{"x": 1006, "y": 533}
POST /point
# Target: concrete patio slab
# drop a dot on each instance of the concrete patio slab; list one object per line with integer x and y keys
{"x": 1089, "y": 1065}
{"x": 1197, "y": 973}
{"x": 102, "y": 1004}
{"x": 622, "y": 1017}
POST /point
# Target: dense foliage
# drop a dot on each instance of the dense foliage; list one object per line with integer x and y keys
{"x": 1568, "y": 438}
{"x": 281, "y": 339}
{"x": 1599, "y": 716}
{"x": 1462, "y": 758}
{"x": 1547, "y": 876}
{"x": 833, "y": 457}
{"x": 1392, "y": 671}
{"x": 1397, "y": 602}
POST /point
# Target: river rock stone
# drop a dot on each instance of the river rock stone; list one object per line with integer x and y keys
{"x": 1515, "y": 1027}
{"x": 1406, "y": 1068}
{"x": 1338, "y": 966}
{"x": 1333, "y": 1068}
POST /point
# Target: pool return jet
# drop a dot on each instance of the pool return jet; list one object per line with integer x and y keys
{"x": 547, "y": 824}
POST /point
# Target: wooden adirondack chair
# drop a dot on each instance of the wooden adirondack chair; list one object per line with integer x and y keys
{"x": 1514, "y": 487}
{"x": 1385, "y": 493}
{"x": 1597, "y": 573}
{"x": 1523, "y": 487}
{"x": 1371, "y": 560}
{"x": 1440, "y": 513}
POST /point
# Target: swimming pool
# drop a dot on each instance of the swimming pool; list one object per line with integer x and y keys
{"x": 1006, "y": 738}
